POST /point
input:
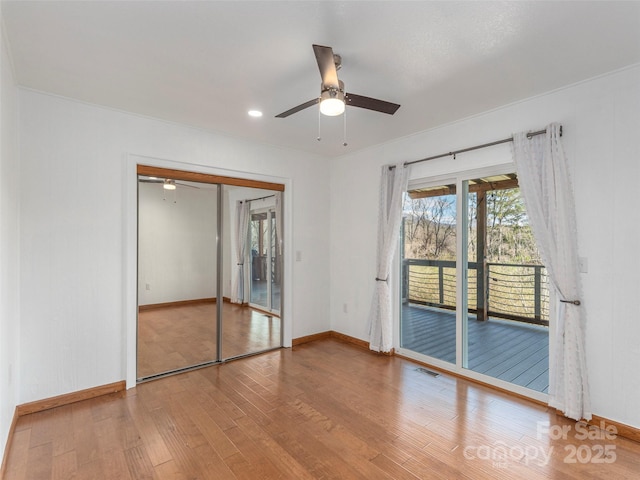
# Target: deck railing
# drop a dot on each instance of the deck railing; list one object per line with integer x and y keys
{"x": 513, "y": 291}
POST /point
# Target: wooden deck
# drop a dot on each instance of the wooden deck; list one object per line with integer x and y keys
{"x": 512, "y": 351}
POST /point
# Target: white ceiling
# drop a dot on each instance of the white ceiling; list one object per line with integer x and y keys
{"x": 207, "y": 63}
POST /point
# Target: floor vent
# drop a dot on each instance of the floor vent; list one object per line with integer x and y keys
{"x": 428, "y": 372}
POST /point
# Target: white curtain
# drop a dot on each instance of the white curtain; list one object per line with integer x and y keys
{"x": 546, "y": 189}
{"x": 242, "y": 232}
{"x": 392, "y": 186}
{"x": 278, "y": 196}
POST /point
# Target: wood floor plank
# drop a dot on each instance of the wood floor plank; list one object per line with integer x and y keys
{"x": 114, "y": 466}
{"x": 211, "y": 464}
{"x": 395, "y": 470}
{"x": 156, "y": 448}
{"x": 172, "y": 436}
{"x": 64, "y": 466}
{"x": 18, "y": 454}
{"x": 139, "y": 464}
{"x": 259, "y": 462}
{"x": 40, "y": 461}
{"x": 171, "y": 471}
{"x": 283, "y": 461}
{"x": 85, "y": 438}
{"x": 214, "y": 435}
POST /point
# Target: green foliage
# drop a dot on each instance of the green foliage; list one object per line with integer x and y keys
{"x": 509, "y": 235}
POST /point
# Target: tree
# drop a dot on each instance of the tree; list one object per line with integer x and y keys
{"x": 430, "y": 227}
{"x": 509, "y": 236}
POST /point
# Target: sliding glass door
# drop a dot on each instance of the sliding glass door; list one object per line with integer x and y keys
{"x": 474, "y": 292}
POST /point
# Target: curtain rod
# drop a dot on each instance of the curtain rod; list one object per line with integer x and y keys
{"x": 256, "y": 199}
{"x": 476, "y": 147}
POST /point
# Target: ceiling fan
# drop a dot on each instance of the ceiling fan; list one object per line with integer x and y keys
{"x": 167, "y": 183}
{"x": 333, "y": 98}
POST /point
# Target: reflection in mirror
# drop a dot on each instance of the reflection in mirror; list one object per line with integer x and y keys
{"x": 253, "y": 258}
{"x": 177, "y": 231}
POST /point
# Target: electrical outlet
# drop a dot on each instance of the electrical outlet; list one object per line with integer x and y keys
{"x": 345, "y": 308}
{"x": 147, "y": 286}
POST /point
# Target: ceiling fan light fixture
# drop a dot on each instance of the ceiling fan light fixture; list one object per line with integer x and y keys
{"x": 332, "y": 107}
{"x": 332, "y": 100}
{"x": 169, "y": 185}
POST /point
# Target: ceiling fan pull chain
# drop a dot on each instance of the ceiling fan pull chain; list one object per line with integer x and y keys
{"x": 344, "y": 123}
{"x": 319, "y": 118}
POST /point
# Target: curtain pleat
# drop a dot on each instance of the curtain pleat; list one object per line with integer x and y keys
{"x": 242, "y": 232}
{"x": 393, "y": 184}
{"x": 278, "y": 196}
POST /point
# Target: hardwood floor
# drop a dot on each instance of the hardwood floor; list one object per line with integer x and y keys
{"x": 176, "y": 337}
{"x": 322, "y": 410}
{"x": 513, "y": 351}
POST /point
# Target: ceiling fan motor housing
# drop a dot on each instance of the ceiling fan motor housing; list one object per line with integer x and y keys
{"x": 332, "y": 92}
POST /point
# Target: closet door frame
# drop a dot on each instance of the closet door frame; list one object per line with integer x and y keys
{"x": 139, "y": 165}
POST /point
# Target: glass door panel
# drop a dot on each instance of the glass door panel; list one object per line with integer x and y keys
{"x": 259, "y": 230}
{"x": 507, "y": 322}
{"x": 250, "y": 323}
{"x": 275, "y": 263}
{"x": 428, "y": 315}
{"x": 177, "y": 284}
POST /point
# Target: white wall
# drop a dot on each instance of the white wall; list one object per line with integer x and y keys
{"x": 176, "y": 243}
{"x": 601, "y": 120}
{"x": 73, "y": 334}
{"x": 9, "y": 244}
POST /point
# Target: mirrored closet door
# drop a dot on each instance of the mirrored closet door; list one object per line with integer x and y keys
{"x": 196, "y": 262}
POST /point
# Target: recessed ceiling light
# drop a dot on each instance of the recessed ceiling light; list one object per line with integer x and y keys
{"x": 255, "y": 113}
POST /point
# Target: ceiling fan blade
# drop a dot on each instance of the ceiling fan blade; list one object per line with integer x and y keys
{"x": 150, "y": 180}
{"x": 298, "y": 108}
{"x": 371, "y": 103}
{"x": 327, "y": 66}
